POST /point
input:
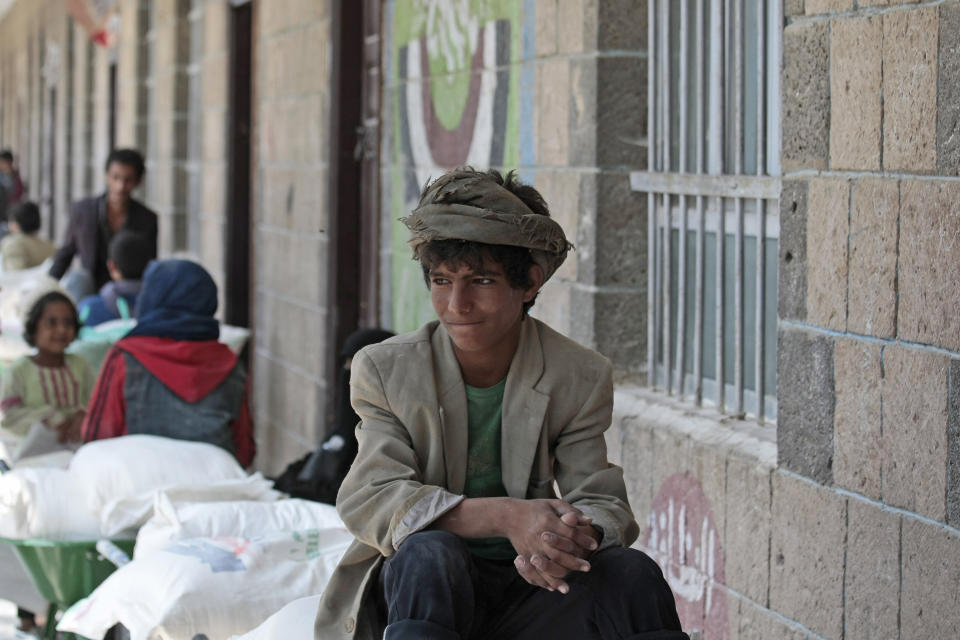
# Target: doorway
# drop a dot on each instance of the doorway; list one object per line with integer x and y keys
{"x": 237, "y": 253}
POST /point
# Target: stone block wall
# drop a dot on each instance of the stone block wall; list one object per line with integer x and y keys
{"x": 290, "y": 245}
{"x": 822, "y": 534}
{"x": 845, "y": 523}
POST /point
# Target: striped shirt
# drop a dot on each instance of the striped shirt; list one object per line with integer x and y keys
{"x": 30, "y": 393}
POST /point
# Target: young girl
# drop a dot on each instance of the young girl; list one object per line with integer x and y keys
{"x": 51, "y": 388}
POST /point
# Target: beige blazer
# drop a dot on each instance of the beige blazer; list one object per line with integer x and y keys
{"x": 411, "y": 466}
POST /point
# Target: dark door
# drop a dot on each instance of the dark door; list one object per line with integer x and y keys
{"x": 353, "y": 266}
{"x": 237, "y": 295}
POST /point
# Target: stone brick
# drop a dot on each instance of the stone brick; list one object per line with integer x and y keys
{"x": 282, "y": 318}
{"x": 297, "y": 262}
{"x": 793, "y": 7}
{"x": 212, "y": 232}
{"x": 872, "y": 3}
{"x": 814, "y": 7}
{"x": 875, "y": 210}
{"x": 291, "y": 398}
{"x": 805, "y": 382}
{"x": 807, "y": 548}
{"x": 930, "y": 599}
{"x": 948, "y": 96}
{"x": 561, "y": 189}
{"x": 792, "y": 280}
{"x": 747, "y": 536}
{"x": 553, "y": 305}
{"x": 637, "y": 439}
{"x": 930, "y": 263}
{"x": 622, "y": 25}
{"x": 805, "y": 106}
{"x": 856, "y": 101}
{"x": 953, "y": 447}
{"x": 915, "y": 430}
{"x": 619, "y": 324}
{"x": 619, "y": 259}
{"x": 621, "y": 86}
{"x": 584, "y": 126}
{"x": 857, "y": 424}
{"x": 758, "y": 623}
{"x": 872, "y": 576}
{"x": 910, "y": 90}
{"x": 551, "y": 119}
{"x": 546, "y": 27}
{"x": 571, "y": 25}
{"x": 827, "y": 226}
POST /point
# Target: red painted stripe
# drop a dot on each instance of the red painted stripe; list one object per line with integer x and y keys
{"x": 44, "y": 386}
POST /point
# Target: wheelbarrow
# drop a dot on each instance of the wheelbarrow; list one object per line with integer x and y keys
{"x": 65, "y": 572}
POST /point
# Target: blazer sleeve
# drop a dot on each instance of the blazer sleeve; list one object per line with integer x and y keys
{"x": 585, "y": 477}
{"x": 64, "y": 255}
{"x": 383, "y": 498}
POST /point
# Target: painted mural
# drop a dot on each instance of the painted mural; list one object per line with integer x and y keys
{"x": 682, "y": 537}
{"x": 454, "y": 100}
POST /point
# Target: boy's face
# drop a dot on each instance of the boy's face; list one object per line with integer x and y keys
{"x": 479, "y": 308}
{"x": 5, "y": 165}
{"x": 122, "y": 179}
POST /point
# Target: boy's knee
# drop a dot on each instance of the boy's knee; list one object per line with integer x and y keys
{"x": 433, "y": 548}
{"x": 619, "y": 566}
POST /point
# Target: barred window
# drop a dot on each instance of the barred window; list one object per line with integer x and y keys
{"x": 713, "y": 188}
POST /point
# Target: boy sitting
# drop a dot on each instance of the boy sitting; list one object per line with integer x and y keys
{"x": 466, "y": 426}
{"x": 23, "y": 248}
{"x": 128, "y": 257}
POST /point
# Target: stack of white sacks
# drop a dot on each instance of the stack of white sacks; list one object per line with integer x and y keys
{"x": 218, "y": 552}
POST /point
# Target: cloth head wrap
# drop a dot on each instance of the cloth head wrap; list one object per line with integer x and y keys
{"x": 477, "y": 209}
{"x": 177, "y": 301}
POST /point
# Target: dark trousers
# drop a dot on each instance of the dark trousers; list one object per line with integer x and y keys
{"x": 434, "y": 589}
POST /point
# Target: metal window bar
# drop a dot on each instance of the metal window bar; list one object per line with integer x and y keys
{"x": 665, "y": 166}
{"x": 761, "y": 221}
{"x": 701, "y": 215}
{"x": 719, "y": 35}
{"x": 651, "y": 202}
{"x": 682, "y": 232}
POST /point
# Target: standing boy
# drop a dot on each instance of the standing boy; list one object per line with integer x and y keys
{"x": 465, "y": 427}
{"x": 94, "y": 221}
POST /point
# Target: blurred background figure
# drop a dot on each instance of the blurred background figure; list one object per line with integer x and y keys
{"x": 128, "y": 259}
{"x": 94, "y": 221}
{"x": 10, "y": 178}
{"x": 170, "y": 376}
{"x": 23, "y": 248}
{"x": 317, "y": 476}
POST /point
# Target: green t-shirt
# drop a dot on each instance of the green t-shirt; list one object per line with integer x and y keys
{"x": 484, "y": 472}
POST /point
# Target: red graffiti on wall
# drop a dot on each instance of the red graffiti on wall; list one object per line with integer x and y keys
{"x": 682, "y": 537}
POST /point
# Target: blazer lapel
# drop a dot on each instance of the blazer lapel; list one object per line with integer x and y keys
{"x": 524, "y": 408}
{"x": 453, "y": 409}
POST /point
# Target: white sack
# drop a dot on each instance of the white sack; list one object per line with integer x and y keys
{"x": 128, "y": 466}
{"x": 122, "y": 514}
{"x": 44, "y": 502}
{"x": 173, "y": 520}
{"x": 293, "y": 622}
{"x": 215, "y": 586}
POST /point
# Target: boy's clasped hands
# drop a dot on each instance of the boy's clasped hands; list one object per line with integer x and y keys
{"x": 551, "y": 538}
